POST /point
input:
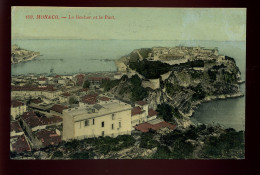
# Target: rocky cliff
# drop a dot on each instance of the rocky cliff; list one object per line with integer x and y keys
{"x": 203, "y": 77}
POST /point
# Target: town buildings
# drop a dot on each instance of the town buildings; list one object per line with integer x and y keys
{"x": 17, "y": 109}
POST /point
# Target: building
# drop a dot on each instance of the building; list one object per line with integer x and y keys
{"x": 145, "y": 127}
{"x": 138, "y": 115}
{"x": 64, "y": 97}
{"x": 88, "y": 99}
{"x": 47, "y": 137}
{"x": 96, "y": 81}
{"x": 48, "y": 92}
{"x": 152, "y": 114}
{"x": 15, "y": 129}
{"x": 57, "y": 109}
{"x": 110, "y": 119}
{"x": 19, "y": 143}
{"x": 33, "y": 123}
{"x": 17, "y": 109}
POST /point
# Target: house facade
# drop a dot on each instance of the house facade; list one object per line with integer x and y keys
{"x": 110, "y": 119}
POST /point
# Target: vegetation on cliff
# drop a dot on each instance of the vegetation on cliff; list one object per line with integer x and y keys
{"x": 131, "y": 86}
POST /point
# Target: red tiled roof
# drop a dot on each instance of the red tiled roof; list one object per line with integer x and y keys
{"x": 36, "y": 101}
{"x": 141, "y": 103}
{"x": 32, "y": 120}
{"x": 15, "y": 103}
{"x": 152, "y": 112}
{"x": 20, "y": 144}
{"x": 15, "y": 126}
{"x": 163, "y": 125}
{"x": 136, "y": 110}
{"x": 90, "y": 99}
{"x": 98, "y": 78}
{"x": 48, "y": 137}
{"x": 58, "y": 108}
{"x": 145, "y": 127}
{"x": 104, "y": 98}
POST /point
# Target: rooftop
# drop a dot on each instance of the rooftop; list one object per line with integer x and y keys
{"x": 15, "y": 103}
{"x": 48, "y": 137}
{"x": 145, "y": 127}
{"x": 32, "y": 120}
{"x": 85, "y": 112}
{"x": 89, "y": 99}
{"x": 15, "y": 126}
{"x": 19, "y": 144}
{"x": 152, "y": 112}
{"x": 136, "y": 110}
{"x": 58, "y": 108}
{"x": 141, "y": 103}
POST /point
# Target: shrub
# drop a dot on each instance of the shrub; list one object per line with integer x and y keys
{"x": 57, "y": 154}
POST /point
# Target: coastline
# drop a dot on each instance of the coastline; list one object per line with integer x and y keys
{"x": 28, "y": 59}
{"x": 209, "y": 99}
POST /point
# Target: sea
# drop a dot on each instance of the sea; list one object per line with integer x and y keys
{"x": 65, "y": 57}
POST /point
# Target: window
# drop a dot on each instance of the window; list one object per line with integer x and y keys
{"x": 119, "y": 124}
{"x": 103, "y": 124}
{"x": 112, "y": 126}
{"x": 113, "y": 116}
{"x": 103, "y": 133}
{"x": 86, "y": 123}
{"x": 93, "y": 121}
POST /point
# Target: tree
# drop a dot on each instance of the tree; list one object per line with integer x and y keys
{"x": 86, "y": 84}
{"x": 165, "y": 111}
{"x": 73, "y": 100}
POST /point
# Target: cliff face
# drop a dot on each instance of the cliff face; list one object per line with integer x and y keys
{"x": 21, "y": 55}
{"x": 203, "y": 77}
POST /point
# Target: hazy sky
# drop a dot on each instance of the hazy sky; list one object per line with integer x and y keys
{"x": 131, "y": 23}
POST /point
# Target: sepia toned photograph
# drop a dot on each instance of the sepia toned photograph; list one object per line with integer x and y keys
{"x": 127, "y": 83}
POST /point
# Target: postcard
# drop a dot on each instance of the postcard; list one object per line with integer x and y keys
{"x": 127, "y": 83}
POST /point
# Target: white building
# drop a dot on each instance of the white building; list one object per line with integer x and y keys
{"x": 110, "y": 119}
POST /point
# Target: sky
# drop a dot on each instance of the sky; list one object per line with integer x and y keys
{"x": 220, "y": 24}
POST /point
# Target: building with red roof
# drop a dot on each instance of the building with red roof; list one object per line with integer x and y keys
{"x": 145, "y": 127}
{"x": 58, "y": 108}
{"x": 89, "y": 99}
{"x": 138, "y": 115}
{"x": 19, "y": 144}
{"x": 15, "y": 129}
{"x": 17, "y": 109}
{"x": 141, "y": 103}
{"x": 46, "y": 138}
{"x": 152, "y": 114}
{"x": 31, "y": 123}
